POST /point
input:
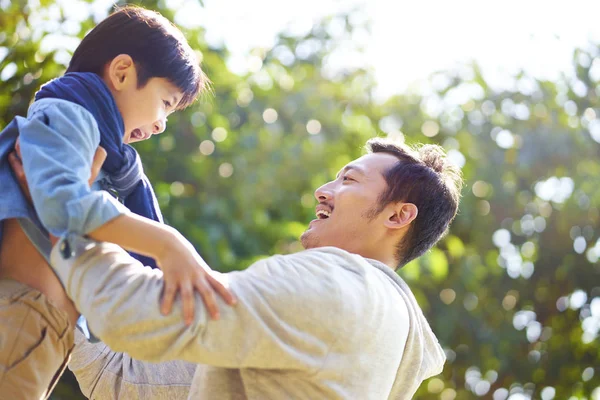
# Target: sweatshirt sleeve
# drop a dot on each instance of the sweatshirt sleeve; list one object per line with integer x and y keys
{"x": 283, "y": 318}
{"x": 58, "y": 142}
{"x": 105, "y": 374}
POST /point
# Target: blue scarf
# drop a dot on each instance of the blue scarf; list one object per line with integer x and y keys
{"x": 123, "y": 164}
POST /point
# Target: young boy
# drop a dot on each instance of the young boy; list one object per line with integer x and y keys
{"x": 127, "y": 75}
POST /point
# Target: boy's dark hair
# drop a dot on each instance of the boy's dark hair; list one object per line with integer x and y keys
{"x": 424, "y": 177}
{"x": 157, "y": 47}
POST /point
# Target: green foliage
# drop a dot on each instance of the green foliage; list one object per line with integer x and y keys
{"x": 513, "y": 291}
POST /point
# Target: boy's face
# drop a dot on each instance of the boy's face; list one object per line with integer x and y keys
{"x": 144, "y": 110}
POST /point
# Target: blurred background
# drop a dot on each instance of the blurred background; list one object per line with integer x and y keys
{"x": 510, "y": 89}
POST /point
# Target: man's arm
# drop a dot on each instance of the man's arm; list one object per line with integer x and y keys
{"x": 105, "y": 374}
{"x": 282, "y": 319}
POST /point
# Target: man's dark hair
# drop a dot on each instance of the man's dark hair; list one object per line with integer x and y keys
{"x": 157, "y": 47}
{"x": 424, "y": 177}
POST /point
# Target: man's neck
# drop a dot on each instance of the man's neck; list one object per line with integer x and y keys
{"x": 388, "y": 262}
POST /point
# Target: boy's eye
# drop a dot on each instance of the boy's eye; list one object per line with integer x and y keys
{"x": 347, "y": 178}
{"x": 167, "y": 103}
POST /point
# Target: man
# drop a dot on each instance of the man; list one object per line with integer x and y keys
{"x": 333, "y": 321}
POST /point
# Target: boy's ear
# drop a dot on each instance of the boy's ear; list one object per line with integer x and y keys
{"x": 121, "y": 72}
{"x": 402, "y": 214}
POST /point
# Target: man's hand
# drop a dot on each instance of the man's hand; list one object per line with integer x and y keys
{"x": 14, "y": 159}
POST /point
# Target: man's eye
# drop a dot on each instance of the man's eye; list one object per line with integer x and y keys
{"x": 347, "y": 178}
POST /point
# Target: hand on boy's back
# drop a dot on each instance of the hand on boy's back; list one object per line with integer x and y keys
{"x": 183, "y": 268}
{"x": 14, "y": 159}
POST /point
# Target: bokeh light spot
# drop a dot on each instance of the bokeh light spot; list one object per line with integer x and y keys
{"x": 430, "y": 128}
{"x": 270, "y": 115}
{"x": 177, "y": 189}
{"x": 207, "y": 147}
{"x": 313, "y": 127}
{"x": 447, "y": 296}
{"x": 225, "y": 170}
{"x": 219, "y": 134}
{"x": 481, "y": 189}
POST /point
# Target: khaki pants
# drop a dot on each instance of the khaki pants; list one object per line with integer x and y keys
{"x": 36, "y": 340}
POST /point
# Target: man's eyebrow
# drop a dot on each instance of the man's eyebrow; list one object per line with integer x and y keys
{"x": 351, "y": 167}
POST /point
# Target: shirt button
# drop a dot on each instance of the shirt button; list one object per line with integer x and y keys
{"x": 65, "y": 249}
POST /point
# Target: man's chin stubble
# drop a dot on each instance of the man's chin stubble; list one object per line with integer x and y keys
{"x": 308, "y": 241}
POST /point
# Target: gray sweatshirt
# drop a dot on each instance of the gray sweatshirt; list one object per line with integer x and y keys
{"x": 320, "y": 323}
{"x": 103, "y": 374}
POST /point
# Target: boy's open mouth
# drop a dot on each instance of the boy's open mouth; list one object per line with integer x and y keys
{"x": 137, "y": 135}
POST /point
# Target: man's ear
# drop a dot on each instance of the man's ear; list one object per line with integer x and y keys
{"x": 402, "y": 215}
{"x": 121, "y": 72}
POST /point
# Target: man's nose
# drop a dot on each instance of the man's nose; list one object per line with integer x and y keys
{"x": 324, "y": 193}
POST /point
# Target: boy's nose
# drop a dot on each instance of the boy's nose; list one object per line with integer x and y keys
{"x": 159, "y": 127}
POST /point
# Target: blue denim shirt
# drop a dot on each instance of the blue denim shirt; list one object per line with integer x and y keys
{"x": 58, "y": 141}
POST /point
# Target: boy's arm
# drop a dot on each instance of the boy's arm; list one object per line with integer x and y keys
{"x": 184, "y": 270}
{"x": 57, "y": 146}
{"x": 105, "y": 374}
{"x": 282, "y": 319}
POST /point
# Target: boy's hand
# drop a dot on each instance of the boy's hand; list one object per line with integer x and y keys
{"x": 184, "y": 270}
{"x": 14, "y": 159}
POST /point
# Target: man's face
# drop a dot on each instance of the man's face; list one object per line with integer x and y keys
{"x": 346, "y": 206}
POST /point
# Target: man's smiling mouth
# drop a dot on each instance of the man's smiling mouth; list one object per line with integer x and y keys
{"x": 323, "y": 214}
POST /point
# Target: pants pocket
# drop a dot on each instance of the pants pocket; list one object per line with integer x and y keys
{"x": 31, "y": 353}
